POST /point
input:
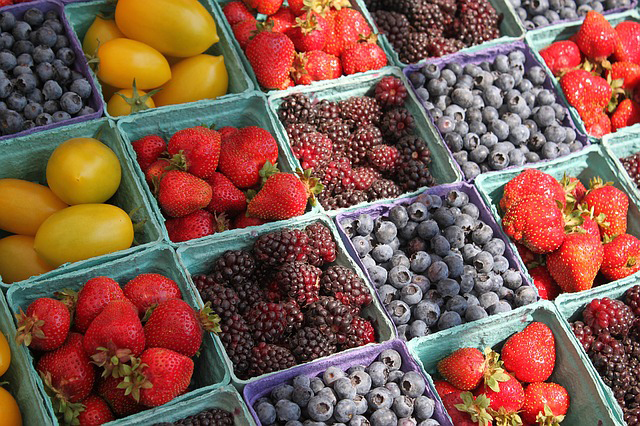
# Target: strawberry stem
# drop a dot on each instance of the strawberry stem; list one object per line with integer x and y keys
{"x": 209, "y": 320}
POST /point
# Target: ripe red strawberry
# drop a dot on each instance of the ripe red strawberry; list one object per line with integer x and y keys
{"x": 195, "y": 225}
{"x": 198, "y": 147}
{"x": 606, "y": 199}
{"x": 574, "y": 189}
{"x": 626, "y": 114}
{"x": 445, "y": 388}
{"x": 243, "y": 221}
{"x": 545, "y": 403}
{"x": 309, "y": 32}
{"x": 629, "y": 72}
{"x": 96, "y": 412}
{"x": 464, "y": 369}
{"x": 583, "y": 220}
{"x": 122, "y": 405}
{"x": 629, "y": 47}
{"x": 297, "y": 7}
{"x": 235, "y": 12}
{"x": 621, "y": 257}
{"x": 6, "y": 2}
{"x": 45, "y": 326}
{"x": 271, "y": 57}
{"x": 597, "y": 123}
{"x": 284, "y": 195}
{"x": 561, "y": 56}
{"x": 315, "y": 65}
{"x": 147, "y": 290}
{"x": 148, "y": 149}
{"x": 268, "y": 7}
{"x": 542, "y": 279}
{"x": 588, "y": 93}
{"x": 282, "y": 20}
{"x": 345, "y": 28}
{"x": 510, "y": 395}
{"x": 92, "y": 298}
{"x": 226, "y": 131}
{"x": 530, "y": 355}
{"x": 526, "y": 255}
{"x": 226, "y": 197}
{"x": 244, "y": 30}
{"x": 536, "y": 222}
{"x": 596, "y": 38}
{"x": 531, "y": 181}
{"x": 177, "y": 326}
{"x": 575, "y": 264}
{"x": 114, "y": 336}
{"x": 363, "y": 56}
{"x": 465, "y": 410}
{"x": 182, "y": 193}
{"x": 156, "y": 171}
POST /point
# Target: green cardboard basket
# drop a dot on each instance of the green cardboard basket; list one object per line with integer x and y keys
{"x": 82, "y": 14}
{"x": 22, "y": 382}
{"x": 443, "y": 167}
{"x": 26, "y": 158}
{"x": 210, "y": 367}
{"x": 573, "y": 370}
{"x": 620, "y": 144}
{"x": 198, "y": 257}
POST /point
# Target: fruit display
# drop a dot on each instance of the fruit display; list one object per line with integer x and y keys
{"x": 598, "y": 69}
{"x": 496, "y": 113}
{"x": 436, "y": 263}
{"x": 363, "y": 148}
{"x": 541, "y": 13}
{"x": 305, "y": 42}
{"x": 570, "y": 237}
{"x": 422, "y": 29}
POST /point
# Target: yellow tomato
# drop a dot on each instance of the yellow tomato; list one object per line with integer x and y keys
{"x": 9, "y": 408}
{"x": 192, "y": 79}
{"x": 5, "y": 354}
{"x": 25, "y": 205}
{"x": 83, "y": 170}
{"x": 19, "y": 261}
{"x": 100, "y": 32}
{"x": 83, "y": 231}
{"x": 123, "y": 60}
{"x": 118, "y": 106}
{"x": 179, "y": 28}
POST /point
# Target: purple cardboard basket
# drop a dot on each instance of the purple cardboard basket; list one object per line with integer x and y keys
{"x": 632, "y": 6}
{"x": 489, "y": 55}
{"x": 365, "y": 356}
{"x": 80, "y": 64}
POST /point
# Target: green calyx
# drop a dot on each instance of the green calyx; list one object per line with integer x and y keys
{"x": 503, "y": 417}
{"x": 493, "y": 371}
{"x": 136, "y": 102}
{"x": 547, "y": 418}
{"x": 66, "y": 411}
{"x": 135, "y": 380}
{"x": 597, "y": 183}
{"x": 28, "y": 327}
{"x": 312, "y": 183}
{"x": 209, "y": 320}
{"x": 69, "y": 297}
{"x": 307, "y": 23}
{"x": 476, "y": 408}
{"x": 114, "y": 364}
{"x": 262, "y": 26}
{"x": 267, "y": 171}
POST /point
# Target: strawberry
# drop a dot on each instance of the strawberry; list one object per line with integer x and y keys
{"x": 243, "y": 221}
{"x": 573, "y": 189}
{"x": 148, "y": 149}
{"x": 181, "y": 193}
{"x": 147, "y": 290}
{"x": 195, "y": 225}
{"x": 226, "y": 131}
{"x": 531, "y": 181}
{"x": 445, "y": 388}
{"x": 345, "y": 27}
{"x": 315, "y": 65}
{"x": 596, "y": 38}
{"x": 561, "y": 56}
{"x": 297, "y": 7}
{"x": 271, "y": 57}
{"x": 575, "y": 264}
{"x": 526, "y": 255}
{"x": 226, "y": 197}
{"x": 235, "y": 12}
{"x": 114, "y": 336}
{"x": 268, "y": 7}
{"x": 68, "y": 375}
{"x": 536, "y": 222}
{"x": 606, "y": 199}
{"x": 465, "y": 410}
{"x": 530, "y": 355}
{"x": 156, "y": 171}
{"x": 588, "y": 93}
{"x": 629, "y": 47}
{"x": 177, "y": 326}
{"x": 96, "y": 412}
{"x": 244, "y": 30}
{"x": 597, "y": 123}
{"x": 548, "y": 289}
{"x": 309, "y": 32}
{"x": 583, "y": 220}
{"x": 363, "y": 56}
{"x": 626, "y": 114}
{"x": 6, "y": 3}
{"x": 629, "y": 72}
{"x": 545, "y": 404}
{"x": 122, "y": 405}
{"x": 198, "y": 147}
{"x": 621, "y": 257}
{"x": 282, "y": 20}
{"x": 45, "y": 326}
{"x": 251, "y": 4}
{"x": 510, "y": 394}
{"x": 467, "y": 368}
{"x": 284, "y": 195}
{"x": 92, "y": 298}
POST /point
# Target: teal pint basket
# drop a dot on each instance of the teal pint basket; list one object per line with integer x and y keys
{"x": 621, "y": 144}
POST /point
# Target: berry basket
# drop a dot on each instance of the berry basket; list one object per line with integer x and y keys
{"x": 365, "y": 356}
{"x": 22, "y": 380}
{"x": 247, "y": 109}
{"x": 79, "y": 65}
{"x": 81, "y": 14}
{"x": 589, "y": 403}
{"x": 621, "y": 144}
{"x": 489, "y": 54}
{"x": 210, "y": 369}
{"x": 199, "y": 257}
{"x": 26, "y": 158}
{"x": 442, "y": 167}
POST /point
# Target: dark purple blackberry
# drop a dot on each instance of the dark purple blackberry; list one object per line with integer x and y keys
{"x": 362, "y": 332}
{"x": 326, "y": 111}
{"x": 345, "y": 285}
{"x": 360, "y": 110}
{"x": 249, "y": 294}
{"x": 583, "y": 333}
{"x": 413, "y": 147}
{"x": 295, "y": 317}
{"x": 237, "y": 341}
{"x": 632, "y": 166}
{"x": 394, "y": 25}
{"x": 296, "y": 130}
{"x": 347, "y": 198}
{"x": 213, "y": 417}
{"x": 311, "y": 343}
{"x": 268, "y": 321}
{"x": 336, "y": 177}
{"x": 384, "y": 188}
{"x": 282, "y": 246}
{"x": 323, "y": 247}
{"x": 362, "y": 141}
{"x": 425, "y": 15}
{"x": 415, "y": 48}
{"x": 632, "y": 299}
{"x": 609, "y": 315}
{"x": 233, "y": 267}
{"x": 296, "y": 108}
{"x": 339, "y": 133}
{"x": 314, "y": 150}
{"x": 477, "y": 22}
{"x": 331, "y": 313}
{"x": 267, "y": 358}
{"x": 397, "y": 123}
{"x": 299, "y": 281}
{"x": 413, "y": 175}
{"x": 611, "y": 362}
{"x": 224, "y": 300}
{"x": 441, "y": 46}
{"x": 390, "y": 92}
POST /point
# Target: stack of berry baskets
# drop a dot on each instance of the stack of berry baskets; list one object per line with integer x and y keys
{"x": 396, "y": 150}
{"x": 437, "y": 260}
{"x": 301, "y": 277}
{"x": 624, "y": 147}
{"x": 535, "y": 125}
{"x": 588, "y": 401}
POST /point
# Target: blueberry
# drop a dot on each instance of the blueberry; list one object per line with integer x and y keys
{"x": 361, "y": 245}
{"x": 482, "y": 234}
{"x": 7, "y": 40}
{"x": 66, "y": 55}
{"x": 437, "y": 271}
{"x": 575, "y": 146}
{"x": 455, "y": 263}
{"x": 378, "y": 275}
{"x": 483, "y": 262}
{"x": 422, "y": 282}
{"x": 25, "y": 59}
{"x": 382, "y": 253}
{"x": 457, "y": 304}
{"x": 487, "y": 299}
{"x": 379, "y": 373}
{"x": 344, "y": 389}
{"x": 384, "y": 417}
{"x": 437, "y": 87}
{"x": 411, "y": 294}
{"x": 445, "y": 124}
{"x": 471, "y": 300}
{"x": 8, "y": 61}
{"x": 51, "y": 90}
{"x": 380, "y": 398}
{"x": 443, "y": 217}
{"x": 428, "y": 229}
{"x": 329, "y": 394}
{"x": 71, "y": 102}
{"x": 482, "y": 283}
{"x": 458, "y": 114}
{"x": 399, "y": 311}
{"x": 434, "y": 297}
{"x": 59, "y": 116}
{"x": 499, "y": 307}
{"x": 393, "y": 388}
{"x": 412, "y": 384}
{"x": 266, "y": 413}
{"x": 506, "y": 294}
{"x": 361, "y": 404}
{"x": 417, "y": 79}
{"x": 399, "y": 276}
{"x": 43, "y": 119}
{"x": 464, "y": 221}
{"x": 16, "y": 101}
{"x": 391, "y": 358}
{"x": 550, "y": 151}
{"x": 431, "y": 71}
{"x": 399, "y": 216}
{"x": 495, "y": 247}
{"x": 449, "y": 319}
{"x": 282, "y": 391}
{"x": 82, "y": 87}
{"x": 332, "y": 374}
{"x": 25, "y": 83}
{"x": 316, "y": 384}
{"x": 361, "y": 381}
{"x": 61, "y": 42}
{"x": 7, "y": 21}
{"x": 287, "y": 410}
{"x": 344, "y": 410}
{"x": 400, "y": 259}
{"x": 475, "y": 312}
{"x": 466, "y": 283}
{"x": 545, "y": 116}
{"x": 408, "y": 231}
{"x": 428, "y": 312}
{"x": 21, "y": 31}
{"x": 402, "y": 332}
{"x": 525, "y": 295}
{"x": 385, "y": 232}
{"x": 403, "y": 406}
{"x": 418, "y": 212}
{"x": 320, "y": 409}
{"x": 418, "y": 328}
{"x": 500, "y": 264}
{"x": 359, "y": 420}
{"x": 302, "y": 395}
{"x": 448, "y": 287}
{"x": 420, "y": 261}
{"x": 33, "y": 17}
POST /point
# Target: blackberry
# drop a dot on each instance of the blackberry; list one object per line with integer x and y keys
{"x": 610, "y": 360}
{"x": 384, "y": 188}
{"x": 295, "y": 317}
{"x": 397, "y": 123}
{"x": 233, "y": 267}
{"x": 632, "y": 166}
{"x": 360, "y": 110}
{"x": 362, "y": 332}
{"x": 384, "y": 158}
{"x": 477, "y": 22}
{"x": 362, "y": 141}
{"x": 413, "y": 147}
{"x": 268, "y": 321}
{"x": 583, "y": 333}
{"x": 296, "y": 130}
{"x": 345, "y": 285}
{"x": 394, "y": 25}
{"x": 348, "y": 198}
{"x": 237, "y": 341}
{"x": 311, "y": 343}
{"x": 296, "y": 108}
{"x": 338, "y": 131}
{"x": 424, "y": 15}
{"x": 314, "y": 150}
{"x": 632, "y": 349}
{"x": 413, "y": 175}
{"x": 267, "y": 358}
{"x": 249, "y": 293}
{"x": 323, "y": 247}
{"x": 363, "y": 177}
{"x": 632, "y": 299}
{"x": 441, "y": 46}
{"x": 299, "y": 281}
{"x": 608, "y": 315}
{"x": 224, "y": 300}
{"x": 213, "y": 417}
{"x": 336, "y": 177}
{"x": 331, "y": 313}
{"x": 415, "y": 48}
{"x": 390, "y": 92}
{"x": 326, "y": 111}
{"x": 282, "y": 246}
